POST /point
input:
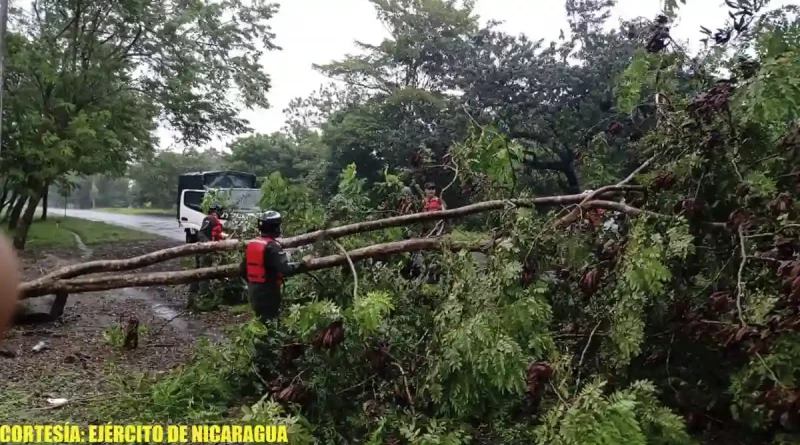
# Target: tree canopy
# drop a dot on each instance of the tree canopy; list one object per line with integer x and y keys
{"x": 87, "y": 81}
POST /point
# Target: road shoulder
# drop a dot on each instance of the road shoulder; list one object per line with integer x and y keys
{"x": 82, "y": 359}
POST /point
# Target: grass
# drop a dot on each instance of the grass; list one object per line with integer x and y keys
{"x": 94, "y": 232}
{"x": 137, "y": 211}
{"x": 57, "y": 232}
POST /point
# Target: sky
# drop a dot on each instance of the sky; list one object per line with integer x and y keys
{"x": 319, "y": 31}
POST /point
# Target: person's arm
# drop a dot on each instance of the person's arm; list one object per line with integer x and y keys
{"x": 205, "y": 228}
{"x": 275, "y": 259}
{"x": 243, "y": 268}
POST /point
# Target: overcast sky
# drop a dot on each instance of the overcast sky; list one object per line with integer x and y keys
{"x": 318, "y": 31}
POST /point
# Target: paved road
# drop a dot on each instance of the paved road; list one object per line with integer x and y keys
{"x": 166, "y": 226}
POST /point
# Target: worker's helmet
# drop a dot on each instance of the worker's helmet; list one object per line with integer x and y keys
{"x": 215, "y": 206}
{"x": 430, "y": 186}
{"x": 270, "y": 222}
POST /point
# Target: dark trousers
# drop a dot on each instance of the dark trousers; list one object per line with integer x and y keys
{"x": 200, "y": 287}
{"x": 265, "y": 299}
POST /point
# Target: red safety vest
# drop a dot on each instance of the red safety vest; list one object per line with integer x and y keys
{"x": 216, "y": 230}
{"x": 256, "y": 270}
{"x": 432, "y": 205}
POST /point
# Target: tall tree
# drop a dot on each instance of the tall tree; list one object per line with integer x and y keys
{"x": 90, "y": 78}
{"x": 156, "y": 180}
{"x": 397, "y": 103}
{"x": 294, "y": 158}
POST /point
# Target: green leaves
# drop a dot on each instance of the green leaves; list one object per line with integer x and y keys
{"x": 307, "y": 319}
{"x": 773, "y": 95}
{"x": 631, "y": 416}
{"x": 368, "y": 312}
{"x": 632, "y": 81}
{"x": 644, "y": 275}
{"x": 86, "y": 82}
{"x": 263, "y": 155}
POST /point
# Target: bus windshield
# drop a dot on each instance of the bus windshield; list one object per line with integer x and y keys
{"x": 245, "y": 200}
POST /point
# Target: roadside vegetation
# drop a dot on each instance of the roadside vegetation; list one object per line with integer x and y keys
{"x": 57, "y": 232}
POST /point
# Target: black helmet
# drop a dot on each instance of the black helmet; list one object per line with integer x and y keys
{"x": 215, "y": 205}
{"x": 270, "y": 222}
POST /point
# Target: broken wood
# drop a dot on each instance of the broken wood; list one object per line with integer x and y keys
{"x": 23, "y": 316}
{"x": 91, "y": 284}
{"x": 130, "y": 329}
{"x": 37, "y": 287}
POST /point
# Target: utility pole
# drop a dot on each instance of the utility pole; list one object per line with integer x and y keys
{"x": 3, "y": 21}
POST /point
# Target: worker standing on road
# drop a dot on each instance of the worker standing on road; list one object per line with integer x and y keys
{"x": 210, "y": 230}
{"x": 265, "y": 266}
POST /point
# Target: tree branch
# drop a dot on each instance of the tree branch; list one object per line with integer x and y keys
{"x": 34, "y": 287}
{"x": 107, "y": 282}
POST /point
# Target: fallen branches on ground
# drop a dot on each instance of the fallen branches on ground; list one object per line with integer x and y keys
{"x": 100, "y": 283}
{"x": 36, "y": 287}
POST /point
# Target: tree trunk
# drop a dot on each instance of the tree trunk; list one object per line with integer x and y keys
{"x": 118, "y": 281}
{"x": 10, "y": 204}
{"x": 159, "y": 256}
{"x": 21, "y": 235}
{"x": 3, "y": 197}
{"x": 44, "y": 202}
{"x": 16, "y": 211}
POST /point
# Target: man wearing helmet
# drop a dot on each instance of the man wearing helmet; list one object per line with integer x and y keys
{"x": 432, "y": 202}
{"x": 210, "y": 230}
{"x": 265, "y": 266}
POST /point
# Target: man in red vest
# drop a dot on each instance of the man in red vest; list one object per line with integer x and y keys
{"x": 265, "y": 266}
{"x": 210, "y": 230}
{"x": 432, "y": 202}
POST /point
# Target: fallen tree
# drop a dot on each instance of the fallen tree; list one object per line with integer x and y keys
{"x": 44, "y": 285}
{"x": 100, "y": 283}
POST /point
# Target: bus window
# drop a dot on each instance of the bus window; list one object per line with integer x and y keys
{"x": 193, "y": 200}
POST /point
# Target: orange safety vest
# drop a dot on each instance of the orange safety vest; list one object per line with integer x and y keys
{"x": 432, "y": 205}
{"x": 216, "y": 230}
{"x": 256, "y": 270}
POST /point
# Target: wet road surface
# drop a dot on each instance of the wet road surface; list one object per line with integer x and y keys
{"x": 166, "y": 226}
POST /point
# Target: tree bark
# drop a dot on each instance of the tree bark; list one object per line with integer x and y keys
{"x": 10, "y": 206}
{"x": 44, "y": 202}
{"x": 304, "y": 239}
{"x": 107, "y": 282}
{"x": 21, "y": 235}
{"x": 3, "y": 197}
{"x": 16, "y": 211}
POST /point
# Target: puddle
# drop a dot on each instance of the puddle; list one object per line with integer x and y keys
{"x": 85, "y": 251}
{"x": 108, "y": 304}
{"x": 178, "y": 319}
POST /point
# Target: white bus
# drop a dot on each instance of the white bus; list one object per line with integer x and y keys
{"x": 242, "y": 188}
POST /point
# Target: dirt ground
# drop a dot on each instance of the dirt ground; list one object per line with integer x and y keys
{"x": 79, "y": 361}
